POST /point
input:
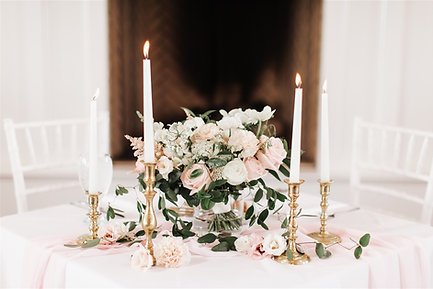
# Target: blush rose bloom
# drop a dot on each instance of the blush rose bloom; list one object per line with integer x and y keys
{"x": 235, "y": 172}
{"x": 273, "y": 153}
{"x": 171, "y": 252}
{"x": 244, "y": 141}
{"x": 114, "y": 231}
{"x": 139, "y": 166}
{"x": 195, "y": 184}
{"x": 205, "y": 132}
{"x": 141, "y": 259}
{"x": 255, "y": 168}
{"x": 164, "y": 166}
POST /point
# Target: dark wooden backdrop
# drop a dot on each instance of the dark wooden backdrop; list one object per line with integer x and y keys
{"x": 214, "y": 54}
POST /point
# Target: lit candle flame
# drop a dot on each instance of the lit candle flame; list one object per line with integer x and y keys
{"x": 298, "y": 81}
{"x": 96, "y": 94}
{"x": 325, "y": 86}
{"x": 146, "y": 49}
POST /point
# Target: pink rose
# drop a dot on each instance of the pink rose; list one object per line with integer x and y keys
{"x": 255, "y": 168}
{"x": 257, "y": 250}
{"x": 139, "y": 166}
{"x": 273, "y": 153}
{"x": 196, "y": 177}
{"x": 205, "y": 132}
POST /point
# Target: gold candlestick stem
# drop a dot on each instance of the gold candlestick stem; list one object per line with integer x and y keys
{"x": 297, "y": 258}
{"x": 93, "y": 214}
{"x": 149, "y": 218}
{"x": 323, "y": 236}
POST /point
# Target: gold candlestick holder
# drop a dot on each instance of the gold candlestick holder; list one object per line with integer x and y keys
{"x": 148, "y": 221}
{"x": 297, "y": 258}
{"x": 323, "y": 236}
{"x": 93, "y": 200}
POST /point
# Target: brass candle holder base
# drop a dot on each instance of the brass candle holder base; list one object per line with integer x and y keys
{"x": 93, "y": 200}
{"x": 297, "y": 258}
{"x": 148, "y": 221}
{"x": 323, "y": 236}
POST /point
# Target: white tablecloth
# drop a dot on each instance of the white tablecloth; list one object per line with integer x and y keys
{"x": 413, "y": 244}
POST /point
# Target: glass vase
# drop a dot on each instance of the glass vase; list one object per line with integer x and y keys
{"x": 222, "y": 218}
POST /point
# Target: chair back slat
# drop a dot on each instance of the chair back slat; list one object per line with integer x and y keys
{"x": 30, "y": 145}
{"x": 392, "y": 151}
{"x": 44, "y": 141}
{"x": 422, "y": 156}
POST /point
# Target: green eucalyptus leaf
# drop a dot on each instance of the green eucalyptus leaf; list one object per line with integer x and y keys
{"x": 358, "y": 251}
{"x": 221, "y": 247}
{"x": 188, "y": 112}
{"x": 249, "y": 212}
{"x": 281, "y": 197}
{"x": 208, "y": 238}
{"x": 365, "y": 240}
{"x": 161, "y": 203}
{"x": 320, "y": 251}
{"x": 264, "y": 225}
{"x": 110, "y": 213}
{"x": 289, "y": 254}
{"x": 274, "y": 174}
{"x": 263, "y": 215}
{"x": 258, "y": 195}
{"x": 196, "y": 173}
{"x": 285, "y": 223}
{"x": 284, "y": 170}
{"x": 253, "y": 220}
{"x": 121, "y": 191}
{"x": 90, "y": 243}
{"x": 71, "y": 245}
{"x": 216, "y": 162}
{"x": 132, "y": 226}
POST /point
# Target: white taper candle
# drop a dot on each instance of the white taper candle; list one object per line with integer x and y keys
{"x": 295, "y": 150}
{"x": 93, "y": 144}
{"x": 149, "y": 154}
{"x": 324, "y": 136}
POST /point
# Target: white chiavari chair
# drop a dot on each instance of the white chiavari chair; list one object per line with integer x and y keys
{"x": 383, "y": 155}
{"x": 53, "y": 146}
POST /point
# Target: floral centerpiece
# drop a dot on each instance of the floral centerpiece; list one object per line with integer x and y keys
{"x": 210, "y": 162}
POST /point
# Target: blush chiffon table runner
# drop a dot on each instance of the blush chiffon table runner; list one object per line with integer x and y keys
{"x": 32, "y": 254}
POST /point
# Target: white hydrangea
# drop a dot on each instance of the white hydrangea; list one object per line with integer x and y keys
{"x": 204, "y": 149}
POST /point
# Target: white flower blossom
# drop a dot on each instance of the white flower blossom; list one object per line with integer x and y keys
{"x": 141, "y": 259}
{"x": 274, "y": 244}
{"x": 172, "y": 252}
{"x": 235, "y": 172}
{"x": 243, "y": 244}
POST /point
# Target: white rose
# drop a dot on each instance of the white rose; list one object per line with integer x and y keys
{"x": 243, "y": 244}
{"x": 229, "y": 122}
{"x": 244, "y": 141}
{"x": 164, "y": 166}
{"x": 251, "y": 116}
{"x": 266, "y": 113}
{"x": 194, "y": 122}
{"x": 274, "y": 244}
{"x": 141, "y": 259}
{"x": 115, "y": 230}
{"x": 235, "y": 172}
